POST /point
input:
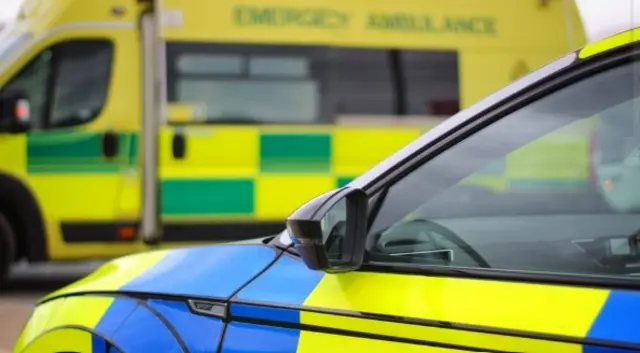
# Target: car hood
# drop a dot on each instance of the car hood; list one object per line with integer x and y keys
{"x": 214, "y": 271}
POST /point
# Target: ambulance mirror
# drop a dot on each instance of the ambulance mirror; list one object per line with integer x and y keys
{"x": 14, "y": 113}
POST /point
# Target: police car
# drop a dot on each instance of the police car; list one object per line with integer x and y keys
{"x": 407, "y": 258}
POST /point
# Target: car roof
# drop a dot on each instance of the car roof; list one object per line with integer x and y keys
{"x": 585, "y": 53}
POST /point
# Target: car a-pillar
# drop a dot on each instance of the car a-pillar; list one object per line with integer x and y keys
{"x": 21, "y": 226}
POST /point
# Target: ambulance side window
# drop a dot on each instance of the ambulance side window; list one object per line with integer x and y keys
{"x": 295, "y": 84}
{"x": 66, "y": 84}
{"x": 33, "y": 81}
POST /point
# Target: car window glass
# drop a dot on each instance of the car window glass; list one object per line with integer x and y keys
{"x": 552, "y": 187}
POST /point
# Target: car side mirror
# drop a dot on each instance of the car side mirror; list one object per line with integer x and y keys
{"x": 14, "y": 113}
{"x": 329, "y": 231}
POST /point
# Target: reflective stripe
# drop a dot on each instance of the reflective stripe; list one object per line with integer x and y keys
{"x": 610, "y": 43}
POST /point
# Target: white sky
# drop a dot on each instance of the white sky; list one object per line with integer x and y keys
{"x": 601, "y": 17}
{"x": 8, "y": 8}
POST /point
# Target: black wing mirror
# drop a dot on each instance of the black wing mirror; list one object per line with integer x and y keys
{"x": 14, "y": 113}
{"x": 329, "y": 231}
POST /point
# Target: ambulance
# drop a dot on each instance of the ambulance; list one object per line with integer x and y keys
{"x": 127, "y": 122}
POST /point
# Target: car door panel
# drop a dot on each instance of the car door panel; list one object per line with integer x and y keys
{"x": 454, "y": 313}
{"x": 265, "y": 338}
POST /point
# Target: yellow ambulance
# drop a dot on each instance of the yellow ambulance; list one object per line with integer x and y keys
{"x": 249, "y": 98}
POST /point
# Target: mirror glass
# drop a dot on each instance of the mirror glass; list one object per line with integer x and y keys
{"x": 334, "y": 231}
{"x": 619, "y": 246}
{"x": 22, "y": 110}
{"x": 14, "y": 113}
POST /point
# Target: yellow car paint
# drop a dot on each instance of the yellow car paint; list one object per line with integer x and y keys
{"x": 483, "y": 303}
{"x": 610, "y": 43}
{"x": 48, "y": 329}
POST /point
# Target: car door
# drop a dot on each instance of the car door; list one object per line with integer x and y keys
{"x": 515, "y": 271}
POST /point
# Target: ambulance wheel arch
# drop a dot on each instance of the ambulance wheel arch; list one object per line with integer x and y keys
{"x": 22, "y": 211}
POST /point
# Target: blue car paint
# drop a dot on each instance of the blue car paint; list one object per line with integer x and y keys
{"x": 214, "y": 271}
{"x": 250, "y": 338}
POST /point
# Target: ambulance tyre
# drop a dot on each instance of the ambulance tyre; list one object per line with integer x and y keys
{"x": 7, "y": 249}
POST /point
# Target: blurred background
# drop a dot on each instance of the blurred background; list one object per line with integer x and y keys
{"x": 257, "y": 120}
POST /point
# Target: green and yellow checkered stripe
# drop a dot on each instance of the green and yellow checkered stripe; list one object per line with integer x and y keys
{"x": 259, "y": 173}
{"x": 263, "y": 173}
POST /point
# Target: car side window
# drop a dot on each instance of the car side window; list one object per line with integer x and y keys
{"x": 66, "y": 84}
{"x": 551, "y": 187}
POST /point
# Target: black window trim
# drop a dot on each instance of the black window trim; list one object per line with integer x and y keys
{"x": 556, "y": 81}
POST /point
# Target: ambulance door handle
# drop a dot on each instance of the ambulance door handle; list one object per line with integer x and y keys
{"x": 109, "y": 144}
{"x": 179, "y": 146}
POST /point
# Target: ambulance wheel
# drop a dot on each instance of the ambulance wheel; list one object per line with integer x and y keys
{"x": 7, "y": 249}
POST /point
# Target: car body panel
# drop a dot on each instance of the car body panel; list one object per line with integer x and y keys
{"x": 131, "y": 302}
{"x": 127, "y": 324}
{"x": 208, "y": 271}
{"x": 449, "y": 311}
{"x": 610, "y": 43}
{"x": 361, "y": 310}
